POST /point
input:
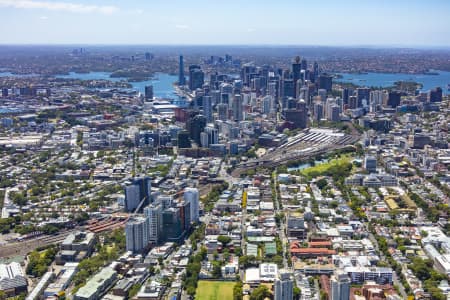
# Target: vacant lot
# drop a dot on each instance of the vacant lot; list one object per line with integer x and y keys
{"x": 214, "y": 290}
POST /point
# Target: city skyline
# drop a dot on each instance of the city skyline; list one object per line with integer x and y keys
{"x": 347, "y": 23}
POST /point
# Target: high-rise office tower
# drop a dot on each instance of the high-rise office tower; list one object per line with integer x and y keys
{"x": 362, "y": 94}
{"x": 272, "y": 89}
{"x": 215, "y": 97}
{"x": 196, "y": 126}
{"x": 191, "y": 195}
{"x": 353, "y": 102}
{"x": 237, "y": 108}
{"x": 334, "y": 113}
{"x": 298, "y": 115}
{"x": 288, "y": 88}
{"x": 132, "y": 197}
{"x": 196, "y": 77}
{"x": 296, "y": 72}
{"x": 267, "y": 105}
{"x": 393, "y": 99}
{"x": 435, "y": 95}
{"x": 246, "y": 72}
{"x": 345, "y": 93}
{"x": 183, "y": 139}
{"x": 207, "y": 108}
{"x": 304, "y": 94}
{"x": 149, "y": 92}
{"x": 318, "y": 111}
{"x": 172, "y": 224}
{"x": 153, "y": 214}
{"x": 139, "y": 189}
{"x": 209, "y": 136}
{"x": 284, "y": 286}
{"x": 325, "y": 82}
{"x": 340, "y": 287}
{"x": 304, "y": 64}
{"x": 315, "y": 75}
{"x": 181, "y": 78}
{"x": 136, "y": 234}
{"x": 222, "y": 110}
{"x": 322, "y": 93}
{"x": 204, "y": 140}
{"x": 377, "y": 99}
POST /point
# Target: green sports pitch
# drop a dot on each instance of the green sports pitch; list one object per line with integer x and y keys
{"x": 214, "y": 290}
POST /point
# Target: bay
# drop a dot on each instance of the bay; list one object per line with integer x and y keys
{"x": 162, "y": 82}
{"x": 429, "y": 81}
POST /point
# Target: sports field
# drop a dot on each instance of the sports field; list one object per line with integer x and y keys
{"x": 214, "y": 290}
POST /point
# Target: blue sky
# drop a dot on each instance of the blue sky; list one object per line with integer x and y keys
{"x": 286, "y": 22}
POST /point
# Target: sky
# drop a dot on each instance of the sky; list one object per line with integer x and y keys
{"x": 421, "y": 23}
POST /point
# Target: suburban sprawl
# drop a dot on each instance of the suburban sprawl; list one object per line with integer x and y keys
{"x": 252, "y": 176}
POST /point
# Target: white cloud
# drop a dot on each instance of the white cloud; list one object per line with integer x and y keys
{"x": 59, "y": 6}
{"x": 43, "y": 18}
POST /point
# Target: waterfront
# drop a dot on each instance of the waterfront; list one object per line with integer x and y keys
{"x": 441, "y": 79}
{"x": 162, "y": 82}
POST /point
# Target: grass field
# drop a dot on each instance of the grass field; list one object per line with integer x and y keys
{"x": 323, "y": 167}
{"x": 214, "y": 290}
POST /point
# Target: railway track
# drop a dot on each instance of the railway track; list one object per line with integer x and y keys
{"x": 24, "y": 247}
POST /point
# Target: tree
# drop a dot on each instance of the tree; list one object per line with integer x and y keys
{"x": 134, "y": 290}
{"x": 224, "y": 239}
{"x": 321, "y": 183}
{"x": 237, "y": 291}
{"x": 297, "y": 292}
{"x": 260, "y": 293}
{"x": 216, "y": 272}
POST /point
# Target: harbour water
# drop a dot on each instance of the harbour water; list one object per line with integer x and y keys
{"x": 440, "y": 79}
{"x": 162, "y": 82}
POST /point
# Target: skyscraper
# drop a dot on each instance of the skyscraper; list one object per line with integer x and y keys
{"x": 362, "y": 94}
{"x": 315, "y": 75}
{"x": 325, "y": 82}
{"x": 435, "y": 95}
{"x": 296, "y": 71}
{"x": 149, "y": 92}
{"x": 196, "y": 126}
{"x": 136, "y": 191}
{"x": 132, "y": 197}
{"x": 183, "y": 139}
{"x": 288, "y": 88}
{"x": 207, "y": 108}
{"x": 284, "y": 286}
{"x": 209, "y": 136}
{"x": 196, "y": 77}
{"x": 394, "y": 98}
{"x": 191, "y": 195}
{"x": 136, "y": 234}
{"x": 340, "y": 287}
{"x": 304, "y": 64}
{"x": 181, "y": 78}
{"x": 237, "y": 108}
{"x": 153, "y": 215}
{"x": 222, "y": 110}
{"x": 297, "y": 116}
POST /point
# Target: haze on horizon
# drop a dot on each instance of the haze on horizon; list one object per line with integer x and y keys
{"x": 399, "y": 23}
